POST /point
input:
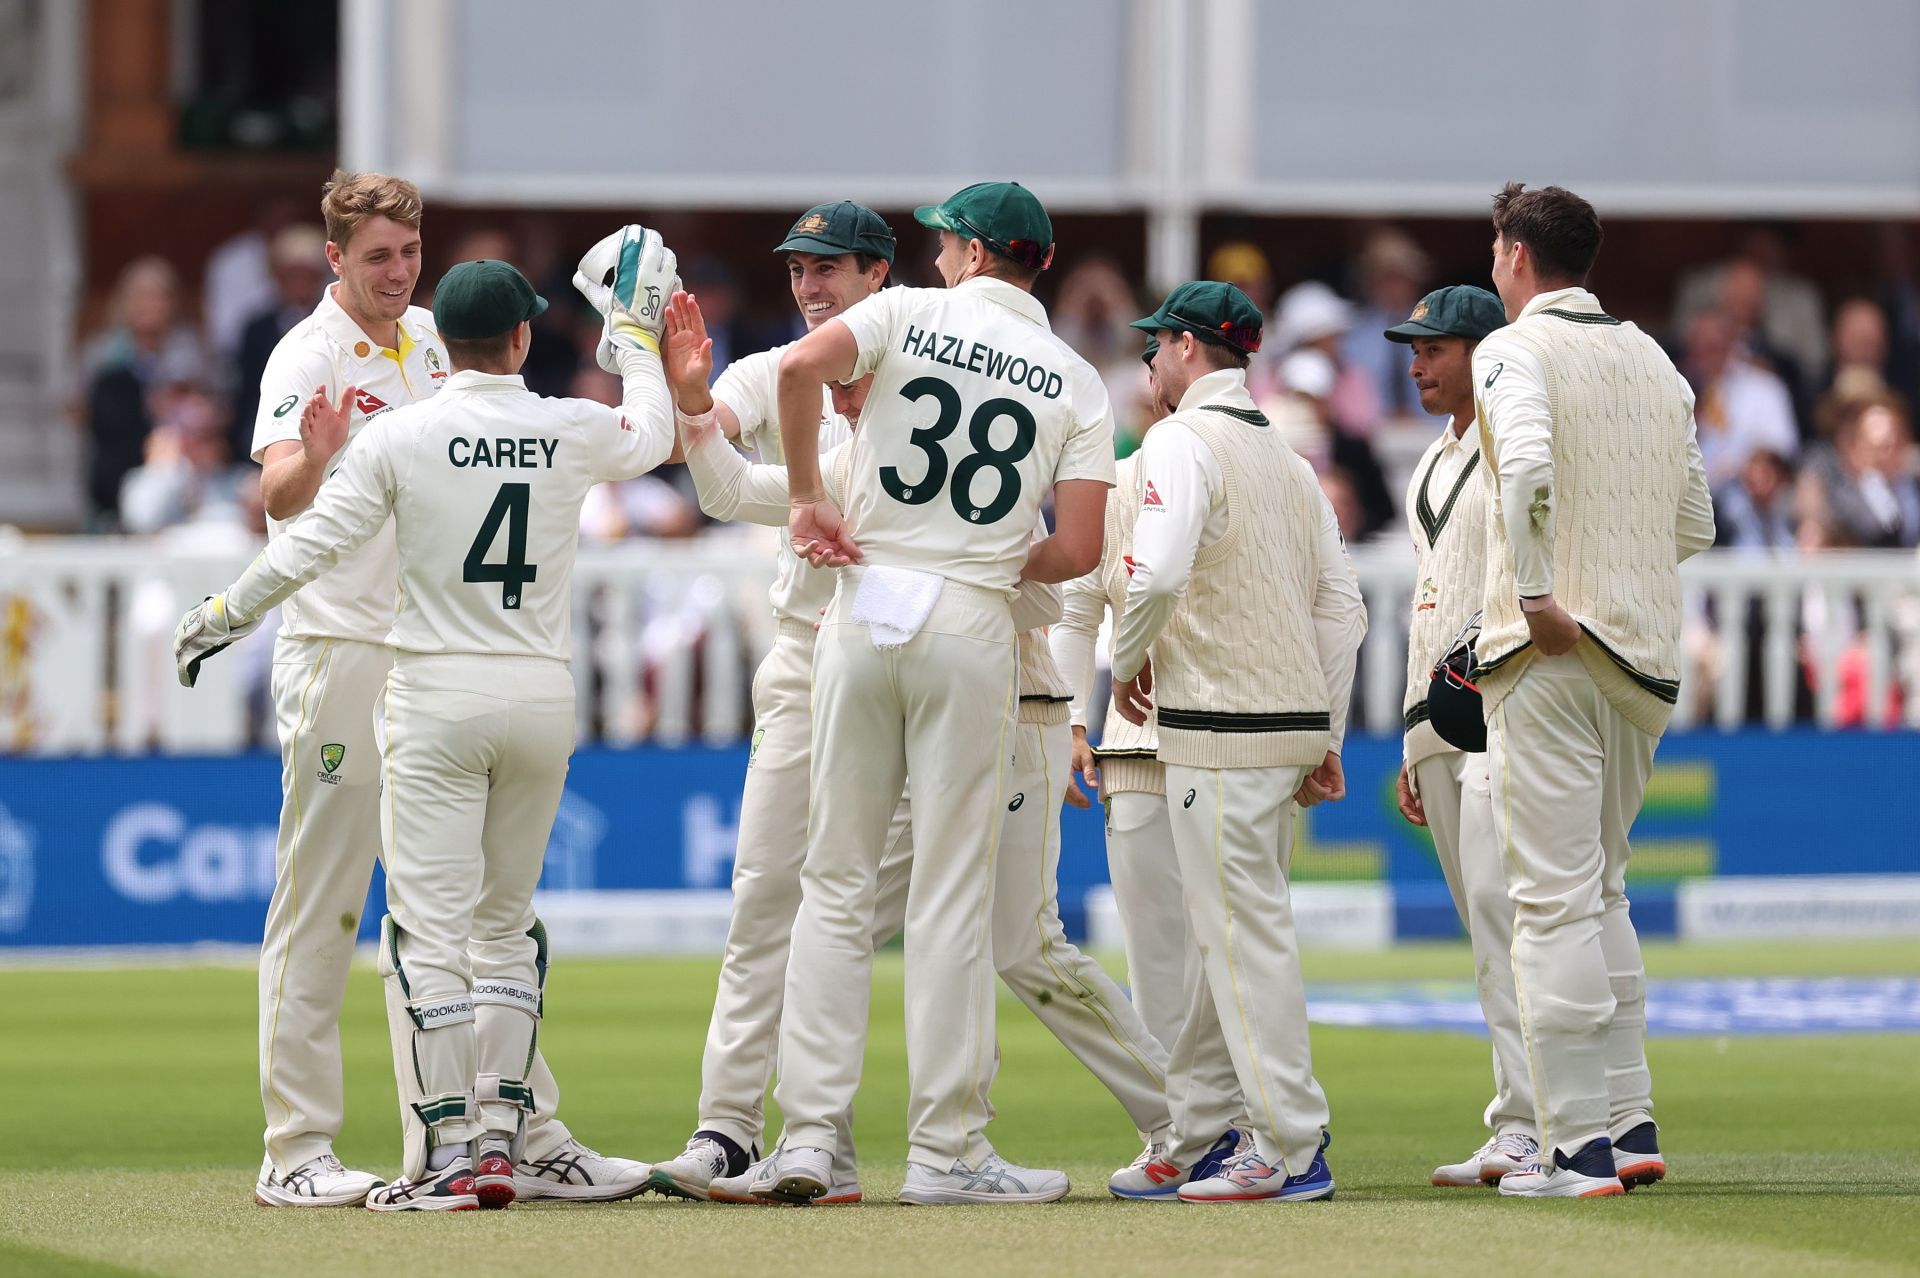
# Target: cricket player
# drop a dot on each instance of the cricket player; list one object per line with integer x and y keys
{"x": 1069, "y": 992}
{"x": 1440, "y": 786}
{"x": 1241, "y": 624}
{"x": 836, "y": 255}
{"x": 1163, "y": 967}
{"x": 975, "y": 413}
{"x": 478, "y": 715}
{"x": 330, "y": 663}
{"x": 1598, "y": 494}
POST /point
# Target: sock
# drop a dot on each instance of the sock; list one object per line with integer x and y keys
{"x": 443, "y": 1156}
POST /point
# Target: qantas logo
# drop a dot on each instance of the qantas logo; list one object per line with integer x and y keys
{"x": 1153, "y": 497}
{"x": 1128, "y": 561}
{"x": 367, "y": 402}
{"x": 626, "y": 425}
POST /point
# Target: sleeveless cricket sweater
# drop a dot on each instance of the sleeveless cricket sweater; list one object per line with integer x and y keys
{"x": 1127, "y": 752}
{"x": 1043, "y": 689}
{"x": 1447, "y": 514}
{"x": 1237, "y": 670}
{"x": 1620, "y": 470}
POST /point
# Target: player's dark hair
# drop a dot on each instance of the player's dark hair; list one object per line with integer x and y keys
{"x": 484, "y": 353}
{"x": 1560, "y": 229}
{"x": 1002, "y": 267}
{"x": 1220, "y": 355}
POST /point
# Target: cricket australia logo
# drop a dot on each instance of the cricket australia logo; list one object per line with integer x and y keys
{"x": 331, "y": 756}
{"x": 753, "y": 747}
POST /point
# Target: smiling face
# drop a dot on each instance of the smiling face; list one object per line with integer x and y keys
{"x": 378, "y": 268}
{"x": 1442, "y": 371}
{"x": 825, "y": 285}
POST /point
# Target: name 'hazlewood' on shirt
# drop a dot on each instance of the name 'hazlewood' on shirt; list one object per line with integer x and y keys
{"x": 978, "y": 357}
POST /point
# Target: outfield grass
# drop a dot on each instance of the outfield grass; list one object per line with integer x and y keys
{"x": 135, "y": 1128}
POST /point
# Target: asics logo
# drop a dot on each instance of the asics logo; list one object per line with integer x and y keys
{"x": 1018, "y": 799}
{"x": 1188, "y": 801}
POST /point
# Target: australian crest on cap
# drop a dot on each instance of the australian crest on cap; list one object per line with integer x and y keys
{"x": 811, "y": 224}
{"x": 1419, "y": 313}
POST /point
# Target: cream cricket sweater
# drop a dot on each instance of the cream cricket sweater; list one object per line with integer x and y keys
{"x": 1237, "y": 675}
{"x": 1448, "y": 506}
{"x": 1128, "y": 753}
{"x": 1613, "y": 498}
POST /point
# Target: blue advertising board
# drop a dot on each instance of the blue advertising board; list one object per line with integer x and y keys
{"x": 169, "y": 851}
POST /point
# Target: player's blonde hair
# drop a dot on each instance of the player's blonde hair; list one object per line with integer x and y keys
{"x": 349, "y": 199}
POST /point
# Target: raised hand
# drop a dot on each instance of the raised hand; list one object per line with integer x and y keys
{"x": 688, "y": 355}
{"x": 324, "y": 426}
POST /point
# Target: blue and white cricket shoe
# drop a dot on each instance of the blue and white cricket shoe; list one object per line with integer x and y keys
{"x": 1153, "y": 1177}
{"x": 1249, "y": 1178}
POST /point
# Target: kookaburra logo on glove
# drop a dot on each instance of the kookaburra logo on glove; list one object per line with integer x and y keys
{"x": 652, "y": 308}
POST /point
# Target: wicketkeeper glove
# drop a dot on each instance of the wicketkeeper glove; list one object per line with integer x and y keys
{"x": 628, "y": 278}
{"x": 204, "y": 631}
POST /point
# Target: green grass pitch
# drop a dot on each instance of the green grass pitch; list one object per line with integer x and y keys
{"x": 132, "y": 1141}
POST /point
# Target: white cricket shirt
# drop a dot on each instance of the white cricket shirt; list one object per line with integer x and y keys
{"x": 328, "y": 351}
{"x": 484, "y": 483}
{"x": 750, "y": 387}
{"x": 975, "y": 412}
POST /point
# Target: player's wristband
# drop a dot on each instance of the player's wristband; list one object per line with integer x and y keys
{"x": 633, "y": 335}
{"x": 1539, "y": 603}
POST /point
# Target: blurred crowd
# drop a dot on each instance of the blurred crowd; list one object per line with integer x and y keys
{"x": 1803, "y": 400}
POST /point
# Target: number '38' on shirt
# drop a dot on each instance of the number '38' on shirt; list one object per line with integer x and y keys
{"x": 975, "y": 412}
{"x": 484, "y": 482}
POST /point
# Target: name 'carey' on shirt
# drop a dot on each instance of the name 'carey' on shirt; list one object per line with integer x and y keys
{"x": 978, "y": 357}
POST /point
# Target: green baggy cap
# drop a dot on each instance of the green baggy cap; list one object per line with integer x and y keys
{"x": 840, "y": 227}
{"x": 1004, "y": 216}
{"x": 1211, "y": 311}
{"x": 1458, "y": 310}
{"x": 483, "y": 299}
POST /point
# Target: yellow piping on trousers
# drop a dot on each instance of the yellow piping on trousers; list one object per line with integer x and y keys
{"x": 293, "y": 873}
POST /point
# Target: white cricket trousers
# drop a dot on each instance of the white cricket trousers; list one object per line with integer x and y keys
{"x": 744, "y": 1032}
{"x": 1233, "y": 831}
{"x": 1454, "y": 791}
{"x": 326, "y": 693}
{"x": 1162, "y": 967}
{"x": 475, "y": 761}
{"x": 1070, "y": 993}
{"x": 941, "y": 707}
{"x": 1568, "y": 774}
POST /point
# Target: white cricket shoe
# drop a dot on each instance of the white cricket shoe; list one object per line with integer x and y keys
{"x": 318, "y": 1182}
{"x": 802, "y": 1174}
{"x": 451, "y": 1188}
{"x": 738, "y": 1189}
{"x": 1499, "y": 1156}
{"x": 992, "y": 1180}
{"x": 687, "y": 1174}
{"x": 578, "y": 1174}
{"x": 1588, "y": 1174}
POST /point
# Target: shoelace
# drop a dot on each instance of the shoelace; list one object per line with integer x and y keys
{"x": 709, "y": 1149}
{"x": 1514, "y": 1145}
{"x": 1154, "y": 1150}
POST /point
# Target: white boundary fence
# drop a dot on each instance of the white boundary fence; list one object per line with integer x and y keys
{"x": 667, "y": 633}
